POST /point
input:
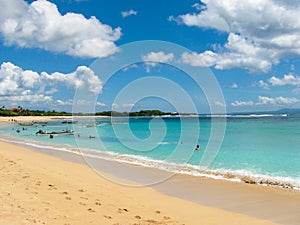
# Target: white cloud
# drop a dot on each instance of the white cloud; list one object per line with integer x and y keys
{"x": 64, "y": 103}
{"x": 82, "y": 77}
{"x": 153, "y": 58}
{"x": 51, "y": 91}
{"x": 242, "y": 103}
{"x": 263, "y": 100}
{"x": 158, "y": 57}
{"x": 41, "y": 25}
{"x": 238, "y": 52}
{"x": 263, "y": 84}
{"x": 205, "y": 59}
{"x": 260, "y": 32}
{"x": 28, "y": 99}
{"x": 220, "y": 104}
{"x": 14, "y": 80}
{"x": 172, "y": 18}
{"x": 288, "y": 79}
{"x": 18, "y": 85}
{"x": 234, "y": 86}
{"x": 100, "y": 104}
{"x": 131, "y": 66}
{"x": 128, "y": 13}
{"x": 197, "y": 6}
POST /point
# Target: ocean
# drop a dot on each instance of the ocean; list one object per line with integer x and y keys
{"x": 261, "y": 149}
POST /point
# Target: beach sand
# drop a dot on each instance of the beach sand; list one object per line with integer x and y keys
{"x": 38, "y": 188}
{"x": 12, "y": 119}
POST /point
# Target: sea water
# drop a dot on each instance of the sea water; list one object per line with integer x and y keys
{"x": 262, "y": 149}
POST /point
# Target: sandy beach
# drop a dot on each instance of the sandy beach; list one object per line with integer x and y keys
{"x": 38, "y": 188}
{"x": 13, "y": 119}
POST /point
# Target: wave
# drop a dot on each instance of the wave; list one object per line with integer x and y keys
{"x": 244, "y": 115}
{"x": 198, "y": 171}
{"x": 187, "y": 169}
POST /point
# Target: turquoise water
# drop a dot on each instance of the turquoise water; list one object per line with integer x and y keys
{"x": 264, "y": 149}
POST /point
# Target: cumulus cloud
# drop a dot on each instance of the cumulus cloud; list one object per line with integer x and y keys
{"x": 288, "y": 79}
{"x": 234, "y": 86}
{"x": 158, "y": 57}
{"x": 220, "y": 104}
{"x": 100, "y": 104}
{"x": 64, "y": 103}
{"x": 205, "y": 59}
{"x": 82, "y": 77}
{"x": 14, "y": 79}
{"x": 41, "y": 25}
{"x": 131, "y": 66}
{"x": 153, "y": 58}
{"x": 264, "y": 100}
{"x": 197, "y": 6}
{"x": 263, "y": 84}
{"x": 128, "y": 13}
{"x": 18, "y": 85}
{"x": 27, "y": 99}
{"x": 260, "y": 33}
{"x": 237, "y": 52}
{"x": 242, "y": 103}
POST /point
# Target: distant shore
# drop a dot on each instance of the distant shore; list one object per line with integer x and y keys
{"x": 38, "y": 188}
{"x": 14, "y": 119}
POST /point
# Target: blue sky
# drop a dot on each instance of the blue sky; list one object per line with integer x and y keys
{"x": 251, "y": 48}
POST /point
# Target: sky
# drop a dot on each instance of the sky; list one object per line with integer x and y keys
{"x": 52, "y": 49}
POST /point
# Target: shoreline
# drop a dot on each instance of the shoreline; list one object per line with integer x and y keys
{"x": 39, "y": 188}
{"x": 18, "y": 119}
{"x": 227, "y": 175}
{"x": 237, "y": 199}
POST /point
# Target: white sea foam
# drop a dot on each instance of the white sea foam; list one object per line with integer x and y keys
{"x": 194, "y": 170}
{"x": 244, "y": 115}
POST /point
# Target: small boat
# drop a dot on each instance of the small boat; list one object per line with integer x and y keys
{"x": 65, "y": 132}
{"x": 69, "y": 121}
{"x": 116, "y": 123}
{"x": 41, "y": 122}
{"x": 26, "y": 124}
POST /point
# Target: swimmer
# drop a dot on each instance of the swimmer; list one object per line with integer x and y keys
{"x": 197, "y": 148}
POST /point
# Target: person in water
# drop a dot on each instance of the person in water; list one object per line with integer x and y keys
{"x": 197, "y": 148}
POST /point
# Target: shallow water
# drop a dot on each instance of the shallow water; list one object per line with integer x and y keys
{"x": 262, "y": 149}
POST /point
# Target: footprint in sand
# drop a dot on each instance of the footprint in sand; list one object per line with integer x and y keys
{"x": 98, "y": 203}
{"x": 138, "y": 217}
{"x": 107, "y": 217}
{"x": 51, "y": 187}
{"x": 84, "y": 198}
{"x": 91, "y": 210}
{"x": 152, "y": 221}
{"x": 68, "y": 198}
{"x": 122, "y": 210}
